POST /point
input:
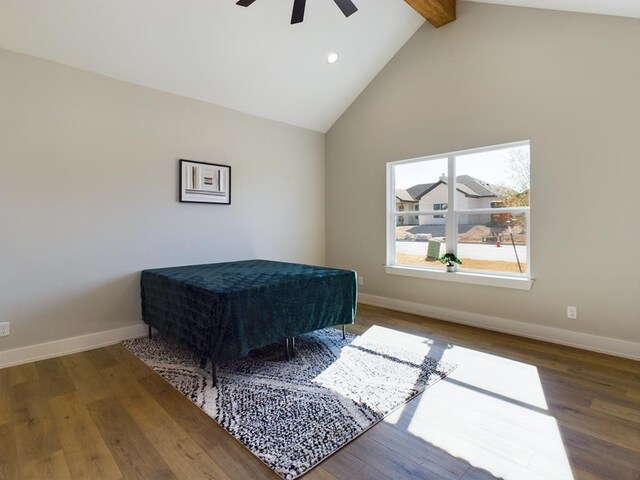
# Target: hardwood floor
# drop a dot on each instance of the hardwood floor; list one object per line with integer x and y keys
{"x": 513, "y": 408}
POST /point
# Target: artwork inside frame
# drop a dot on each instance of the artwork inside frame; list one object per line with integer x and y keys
{"x": 202, "y": 182}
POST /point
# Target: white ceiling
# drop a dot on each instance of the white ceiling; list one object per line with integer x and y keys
{"x": 249, "y": 59}
{"x": 620, "y": 8}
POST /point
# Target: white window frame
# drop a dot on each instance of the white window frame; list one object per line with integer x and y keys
{"x": 522, "y": 281}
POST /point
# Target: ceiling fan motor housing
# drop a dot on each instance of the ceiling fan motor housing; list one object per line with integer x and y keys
{"x": 297, "y": 15}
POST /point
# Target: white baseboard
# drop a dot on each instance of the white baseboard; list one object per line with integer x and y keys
{"x": 586, "y": 341}
{"x": 66, "y": 346}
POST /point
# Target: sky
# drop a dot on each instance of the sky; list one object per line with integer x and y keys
{"x": 492, "y": 167}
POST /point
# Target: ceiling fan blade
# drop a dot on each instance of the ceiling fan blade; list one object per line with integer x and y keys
{"x": 297, "y": 16}
{"x": 245, "y": 3}
{"x": 346, "y": 6}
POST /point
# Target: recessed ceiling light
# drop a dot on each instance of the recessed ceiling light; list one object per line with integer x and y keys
{"x": 332, "y": 57}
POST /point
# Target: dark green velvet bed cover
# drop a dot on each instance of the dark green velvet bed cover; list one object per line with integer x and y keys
{"x": 221, "y": 311}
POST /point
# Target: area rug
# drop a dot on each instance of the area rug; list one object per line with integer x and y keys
{"x": 292, "y": 414}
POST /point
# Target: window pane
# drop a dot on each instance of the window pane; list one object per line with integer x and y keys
{"x": 493, "y": 179}
{"x": 493, "y": 243}
{"x": 440, "y": 206}
{"x": 419, "y": 185}
{"x": 420, "y": 243}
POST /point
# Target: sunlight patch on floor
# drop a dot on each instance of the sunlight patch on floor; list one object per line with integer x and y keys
{"x": 419, "y": 347}
{"x": 490, "y": 411}
{"x": 378, "y": 335}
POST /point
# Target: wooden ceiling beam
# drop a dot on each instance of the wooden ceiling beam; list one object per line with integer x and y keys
{"x": 437, "y": 12}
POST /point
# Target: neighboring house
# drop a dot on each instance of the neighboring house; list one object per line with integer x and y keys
{"x": 406, "y": 203}
{"x": 470, "y": 193}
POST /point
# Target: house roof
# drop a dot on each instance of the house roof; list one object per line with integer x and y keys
{"x": 418, "y": 191}
{"x": 465, "y": 184}
{"x": 404, "y": 196}
{"x": 472, "y": 186}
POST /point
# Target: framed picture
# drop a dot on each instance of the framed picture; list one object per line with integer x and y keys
{"x": 205, "y": 182}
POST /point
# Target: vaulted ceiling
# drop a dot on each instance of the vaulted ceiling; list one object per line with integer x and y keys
{"x": 248, "y": 59}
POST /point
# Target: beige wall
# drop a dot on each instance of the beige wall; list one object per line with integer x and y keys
{"x": 88, "y": 195}
{"x": 568, "y": 82}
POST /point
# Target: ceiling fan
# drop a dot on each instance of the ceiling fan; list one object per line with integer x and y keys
{"x": 297, "y": 16}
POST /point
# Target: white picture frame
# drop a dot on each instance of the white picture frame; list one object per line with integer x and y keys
{"x": 202, "y": 182}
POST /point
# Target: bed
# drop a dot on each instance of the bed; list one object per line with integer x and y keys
{"x": 221, "y": 311}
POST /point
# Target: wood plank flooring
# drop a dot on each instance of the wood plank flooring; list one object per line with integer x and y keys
{"x": 514, "y": 408}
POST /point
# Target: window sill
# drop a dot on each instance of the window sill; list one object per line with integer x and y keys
{"x": 519, "y": 283}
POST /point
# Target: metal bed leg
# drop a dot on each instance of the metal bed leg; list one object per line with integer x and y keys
{"x": 214, "y": 378}
{"x": 293, "y": 346}
{"x": 150, "y": 334}
{"x": 344, "y": 332}
{"x": 286, "y": 346}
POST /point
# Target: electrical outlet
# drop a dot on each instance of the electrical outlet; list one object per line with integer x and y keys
{"x": 4, "y": 329}
{"x": 572, "y": 313}
{"x": 360, "y": 280}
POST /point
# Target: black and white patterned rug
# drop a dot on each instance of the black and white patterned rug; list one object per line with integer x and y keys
{"x": 292, "y": 414}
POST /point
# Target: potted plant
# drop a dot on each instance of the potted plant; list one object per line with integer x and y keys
{"x": 450, "y": 260}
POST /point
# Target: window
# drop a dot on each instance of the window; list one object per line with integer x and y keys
{"x": 474, "y": 203}
{"x": 439, "y": 206}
